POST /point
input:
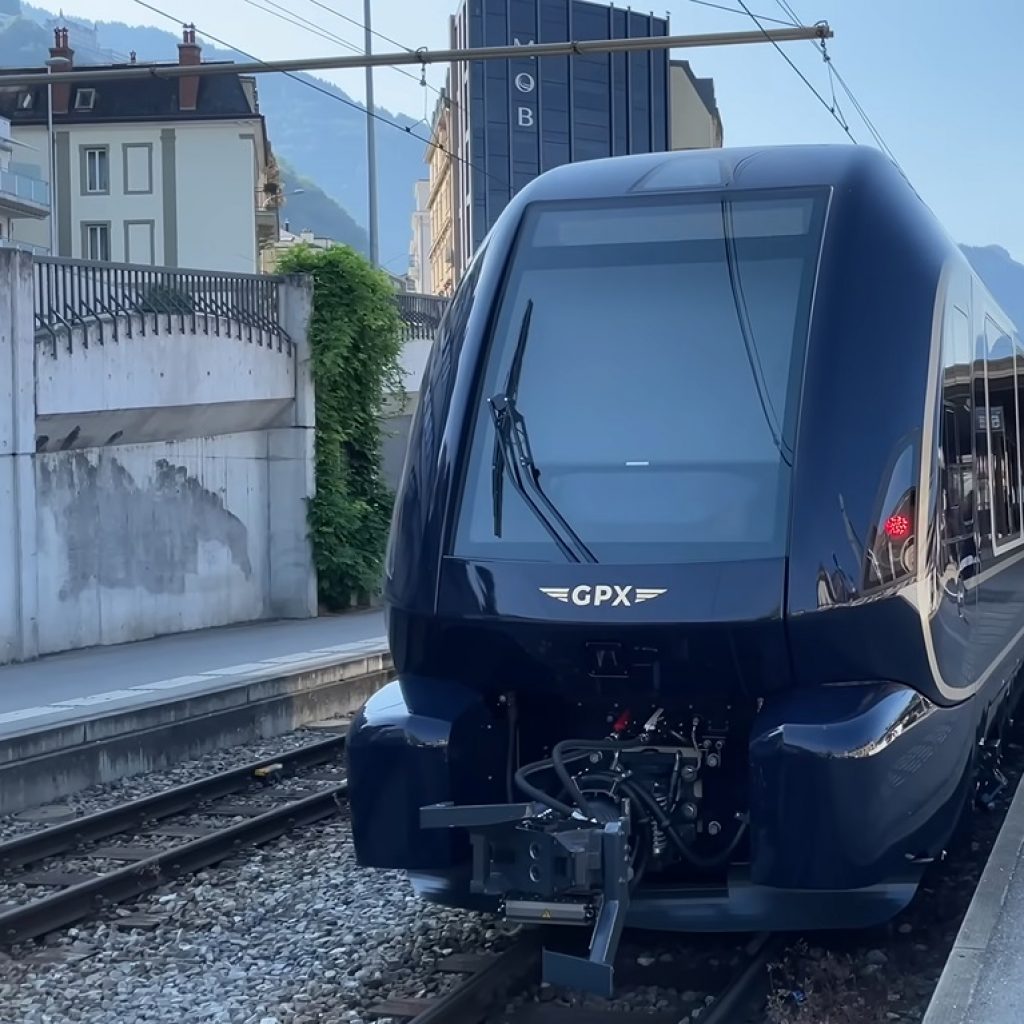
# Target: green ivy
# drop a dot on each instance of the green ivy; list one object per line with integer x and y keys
{"x": 356, "y": 340}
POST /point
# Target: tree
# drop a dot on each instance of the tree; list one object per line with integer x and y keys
{"x": 356, "y": 340}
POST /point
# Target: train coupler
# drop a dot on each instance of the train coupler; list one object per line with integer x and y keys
{"x": 548, "y": 869}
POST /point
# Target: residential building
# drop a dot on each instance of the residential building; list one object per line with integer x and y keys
{"x": 24, "y": 194}
{"x": 695, "y": 121}
{"x": 440, "y": 199}
{"x": 164, "y": 171}
{"x": 288, "y": 239}
{"x": 516, "y": 119}
{"x": 419, "y": 249}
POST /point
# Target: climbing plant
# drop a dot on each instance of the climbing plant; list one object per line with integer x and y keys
{"x": 356, "y": 341}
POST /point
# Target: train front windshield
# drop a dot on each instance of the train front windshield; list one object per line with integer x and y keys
{"x": 641, "y": 386}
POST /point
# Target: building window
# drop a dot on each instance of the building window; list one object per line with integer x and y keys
{"x": 96, "y": 242}
{"x": 137, "y": 161}
{"x": 97, "y": 170}
{"x": 85, "y": 99}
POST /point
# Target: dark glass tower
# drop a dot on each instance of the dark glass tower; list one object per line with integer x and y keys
{"x": 516, "y": 119}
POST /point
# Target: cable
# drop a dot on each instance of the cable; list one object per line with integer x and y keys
{"x": 731, "y": 10}
{"x": 388, "y": 39}
{"x": 309, "y": 26}
{"x": 821, "y": 99}
{"x": 833, "y": 77}
{"x": 334, "y": 96}
{"x": 863, "y": 114}
{"x": 787, "y": 9}
{"x": 359, "y": 24}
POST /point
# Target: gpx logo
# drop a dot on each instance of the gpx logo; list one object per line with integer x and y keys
{"x": 585, "y": 596}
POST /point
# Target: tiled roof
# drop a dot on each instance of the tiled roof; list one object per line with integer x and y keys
{"x": 137, "y": 99}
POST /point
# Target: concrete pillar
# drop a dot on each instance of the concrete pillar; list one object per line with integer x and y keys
{"x": 291, "y": 468}
{"x": 19, "y": 637}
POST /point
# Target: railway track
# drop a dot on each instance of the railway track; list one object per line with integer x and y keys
{"x": 71, "y": 871}
{"x": 489, "y": 981}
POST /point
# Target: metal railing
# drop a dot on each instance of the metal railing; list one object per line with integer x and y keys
{"x": 114, "y": 298}
{"x": 421, "y": 313}
{"x": 21, "y": 186}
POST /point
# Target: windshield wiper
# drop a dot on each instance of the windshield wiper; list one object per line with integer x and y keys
{"x": 512, "y": 455}
{"x": 747, "y": 332}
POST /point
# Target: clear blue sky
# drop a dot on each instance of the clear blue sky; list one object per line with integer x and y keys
{"x": 940, "y": 79}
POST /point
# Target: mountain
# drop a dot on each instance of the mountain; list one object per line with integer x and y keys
{"x": 1003, "y": 276}
{"x": 315, "y": 127}
{"x": 312, "y": 209}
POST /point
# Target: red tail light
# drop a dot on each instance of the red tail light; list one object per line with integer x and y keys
{"x": 897, "y": 527}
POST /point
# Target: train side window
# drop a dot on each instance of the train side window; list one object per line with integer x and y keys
{"x": 1018, "y": 359}
{"x": 957, "y": 449}
{"x": 998, "y": 426}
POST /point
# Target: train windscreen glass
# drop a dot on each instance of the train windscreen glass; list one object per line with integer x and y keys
{"x": 641, "y": 385}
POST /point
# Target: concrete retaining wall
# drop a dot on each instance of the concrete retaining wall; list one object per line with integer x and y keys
{"x": 152, "y": 484}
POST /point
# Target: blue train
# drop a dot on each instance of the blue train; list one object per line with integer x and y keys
{"x": 706, "y": 576}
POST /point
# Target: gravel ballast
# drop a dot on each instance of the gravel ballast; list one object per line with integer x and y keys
{"x": 291, "y": 933}
{"x": 295, "y": 933}
{"x": 98, "y": 798}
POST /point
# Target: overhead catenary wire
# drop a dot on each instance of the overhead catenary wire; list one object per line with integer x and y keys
{"x": 821, "y": 99}
{"x": 286, "y": 15}
{"x": 359, "y": 24}
{"x": 834, "y": 76}
{"x": 732, "y": 10}
{"x": 442, "y": 93}
{"x": 834, "y": 108}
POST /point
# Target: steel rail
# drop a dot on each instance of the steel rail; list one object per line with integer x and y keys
{"x": 471, "y": 1000}
{"x": 747, "y": 987}
{"x": 72, "y": 835}
{"x": 77, "y": 901}
{"x": 486, "y": 990}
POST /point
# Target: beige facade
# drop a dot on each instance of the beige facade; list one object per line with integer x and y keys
{"x": 440, "y": 202}
{"x": 420, "y": 265}
{"x": 695, "y": 122}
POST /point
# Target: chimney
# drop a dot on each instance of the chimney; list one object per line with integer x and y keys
{"x": 189, "y": 54}
{"x": 62, "y": 90}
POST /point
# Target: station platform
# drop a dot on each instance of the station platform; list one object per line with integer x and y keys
{"x": 52, "y": 688}
{"x": 983, "y": 980}
{"x": 71, "y": 720}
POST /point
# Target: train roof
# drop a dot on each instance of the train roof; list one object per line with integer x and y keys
{"x": 745, "y": 168}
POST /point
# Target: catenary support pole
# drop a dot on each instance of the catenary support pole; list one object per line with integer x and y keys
{"x": 371, "y": 143}
{"x": 423, "y": 57}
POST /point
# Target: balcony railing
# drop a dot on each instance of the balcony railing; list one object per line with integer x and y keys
{"x": 421, "y": 313}
{"x": 21, "y": 186}
{"x": 119, "y": 298}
